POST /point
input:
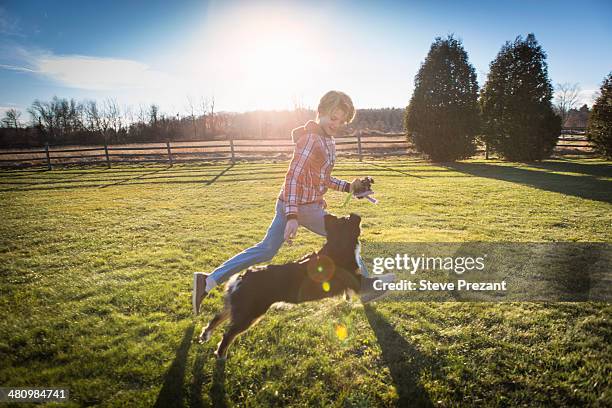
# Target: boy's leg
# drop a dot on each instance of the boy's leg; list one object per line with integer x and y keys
{"x": 263, "y": 251}
{"x": 260, "y": 252}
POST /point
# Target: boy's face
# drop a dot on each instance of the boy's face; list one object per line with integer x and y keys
{"x": 334, "y": 122}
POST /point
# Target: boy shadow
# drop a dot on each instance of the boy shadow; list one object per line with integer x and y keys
{"x": 172, "y": 391}
{"x": 404, "y": 361}
{"x": 217, "y": 392}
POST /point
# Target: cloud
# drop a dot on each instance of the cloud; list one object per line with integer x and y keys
{"x": 90, "y": 73}
{"x": 16, "y": 68}
{"x": 94, "y": 73}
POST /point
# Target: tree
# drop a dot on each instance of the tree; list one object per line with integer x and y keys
{"x": 442, "y": 117}
{"x": 12, "y": 118}
{"x": 191, "y": 110}
{"x": 566, "y": 99}
{"x": 153, "y": 114}
{"x": 518, "y": 119}
{"x": 600, "y": 121}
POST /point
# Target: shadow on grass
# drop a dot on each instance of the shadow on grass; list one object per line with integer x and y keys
{"x": 168, "y": 176}
{"x": 394, "y": 170}
{"x": 587, "y": 186}
{"x": 217, "y": 389}
{"x": 564, "y": 165}
{"x": 405, "y": 362}
{"x": 135, "y": 178}
{"x": 225, "y": 170}
{"x": 172, "y": 391}
{"x": 199, "y": 378}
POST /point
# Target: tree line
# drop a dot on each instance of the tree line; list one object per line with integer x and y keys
{"x": 513, "y": 113}
{"x": 63, "y": 121}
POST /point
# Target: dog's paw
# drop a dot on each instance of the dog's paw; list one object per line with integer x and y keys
{"x": 204, "y": 337}
{"x": 220, "y": 357}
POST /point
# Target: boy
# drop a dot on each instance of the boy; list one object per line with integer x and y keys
{"x": 300, "y": 201}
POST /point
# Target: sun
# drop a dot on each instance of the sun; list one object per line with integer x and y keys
{"x": 267, "y": 58}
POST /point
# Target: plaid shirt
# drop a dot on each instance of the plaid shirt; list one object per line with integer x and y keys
{"x": 309, "y": 174}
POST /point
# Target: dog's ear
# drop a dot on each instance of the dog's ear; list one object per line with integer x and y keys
{"x": 330, "y": 222}
{"x": 355, "y": 218}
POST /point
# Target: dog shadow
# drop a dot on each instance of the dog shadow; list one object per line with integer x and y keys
{"x": 405, "y": 362}
{"x": 173, "y": 391}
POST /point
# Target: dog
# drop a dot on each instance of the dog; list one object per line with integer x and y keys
{"x": 331, "y": 271}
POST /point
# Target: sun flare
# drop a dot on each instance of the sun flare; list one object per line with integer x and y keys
{"x": 266, "y": 57}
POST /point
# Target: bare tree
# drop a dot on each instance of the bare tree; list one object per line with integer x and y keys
{"x": 153, "y": 114}
{"x": 128, "y": 115}
{"x": 141, "y": 114}
{"x": 212, "y": 114}
{"x": 112, "y": 113}
{"x": 566, "y": 98}
{"x": 12, "y": 118}
{"x": 92, "y": 116}
{"x": 43, "y": 116}
{"x": 208, "y": 112}
{"x": 191, "y": 110}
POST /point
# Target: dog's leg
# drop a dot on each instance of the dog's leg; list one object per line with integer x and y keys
{"x": 214, "y": 323}
{"x": 232, "y": 332}
{"x": 241, "y": 320}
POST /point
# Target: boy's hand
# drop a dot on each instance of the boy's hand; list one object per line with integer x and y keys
{"x": 291, "y": 230}
{"x": 361, "y": 185}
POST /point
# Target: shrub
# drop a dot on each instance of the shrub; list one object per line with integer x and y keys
{"x": 442, "y": 117}
{"x": 517, "y": 114}
{"x": 600, "y": 121}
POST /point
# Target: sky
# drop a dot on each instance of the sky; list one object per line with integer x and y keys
{"x": 254, "y": 54}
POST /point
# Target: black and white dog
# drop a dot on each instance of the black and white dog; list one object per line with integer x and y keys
{"x": 331, "y": 271}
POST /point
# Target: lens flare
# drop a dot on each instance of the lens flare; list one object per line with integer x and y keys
{"x": 341, "y": 332}
{"x": 326, "y": 286}
{"x": 322, "y": 270}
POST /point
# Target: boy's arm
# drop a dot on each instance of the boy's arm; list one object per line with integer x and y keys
{"x": 304, "y": 149}
{"x": 338, "y": 185}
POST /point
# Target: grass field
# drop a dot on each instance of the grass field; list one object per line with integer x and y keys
{"x": 96, "y": 269}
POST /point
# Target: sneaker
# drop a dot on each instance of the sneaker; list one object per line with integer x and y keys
{"x": 199, "y": 291}
{"x": 370, "y": 294}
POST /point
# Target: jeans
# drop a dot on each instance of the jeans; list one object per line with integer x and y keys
{"x": 310, "y": 216}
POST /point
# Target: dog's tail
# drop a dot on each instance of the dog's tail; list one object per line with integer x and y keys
{"x": 231, "y": 287}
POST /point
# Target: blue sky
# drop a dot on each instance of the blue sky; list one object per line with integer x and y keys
{"x": 274, "y": 54}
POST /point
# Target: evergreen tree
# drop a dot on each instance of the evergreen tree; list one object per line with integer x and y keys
{"x": 600, "y": 121}
{"x": 517, "y": 114}
{"x": 442, "y": 117}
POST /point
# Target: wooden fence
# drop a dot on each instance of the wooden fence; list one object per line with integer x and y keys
{"x": 357, "y": 145}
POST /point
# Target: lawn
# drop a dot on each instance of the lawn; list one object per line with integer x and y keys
{"x": 96, "y": 270}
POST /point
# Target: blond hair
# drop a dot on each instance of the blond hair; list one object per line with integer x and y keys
{"x": 336, "y": 100}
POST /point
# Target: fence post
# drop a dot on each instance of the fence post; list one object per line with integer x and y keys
{"x": 231, "y": 140}
{"x": 359, "y": 144}
{"x": 108, "y": 163}
{"x": 486, "y": 151}
{"x": 48, "y": 157}
{"x": 169, "y": 152}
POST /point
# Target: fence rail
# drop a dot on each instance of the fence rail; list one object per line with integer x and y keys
{"x": 359, "y": 145}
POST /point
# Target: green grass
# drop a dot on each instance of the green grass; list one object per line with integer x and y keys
{"x": 95, "y": 283}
